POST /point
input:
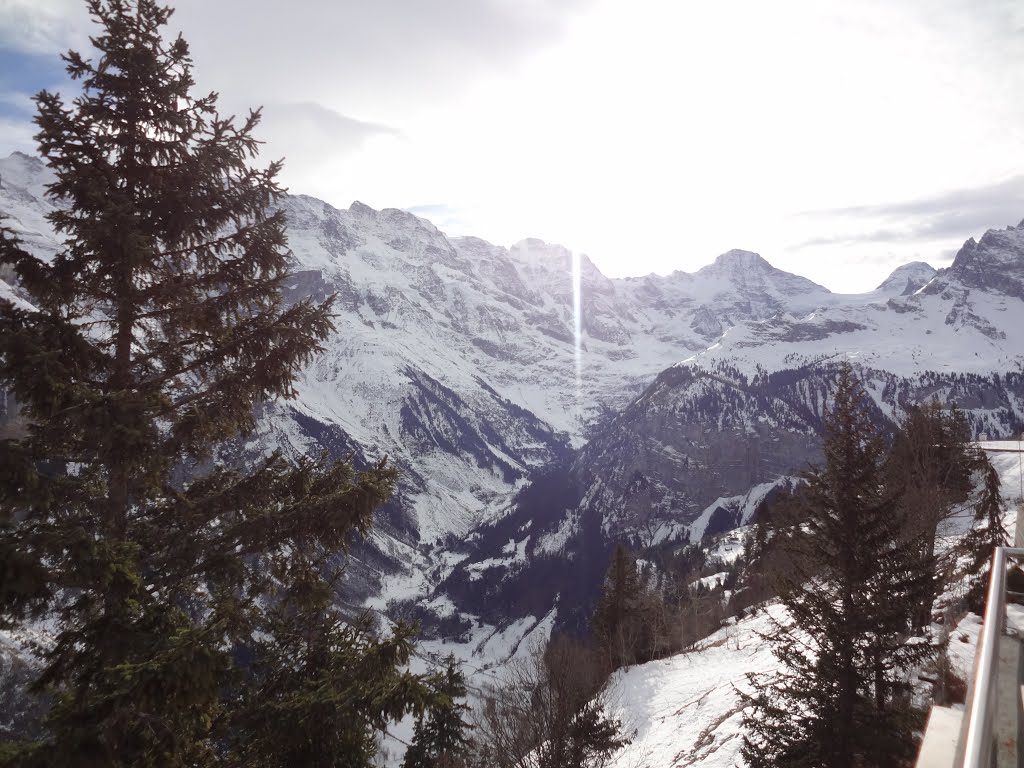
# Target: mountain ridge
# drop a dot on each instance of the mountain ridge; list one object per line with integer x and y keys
{"x": 459, "y": 360}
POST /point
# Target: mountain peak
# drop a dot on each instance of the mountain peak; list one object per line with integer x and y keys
{"x": 361, "y": 209}
{"x": 994, "y": 263}
{"x": 908, "y": 279}
{"x": 21, "y": 166}
{"x": 23, "y": 158}
{"x": 740, "y": 259}
{"x": 535, "y": 243}
{"x": 754, "y": 278}
{"x": 25, "y": 171}
{"x": 406, "y": 220}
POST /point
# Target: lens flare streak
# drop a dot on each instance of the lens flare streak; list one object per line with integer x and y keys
{"x": 577, "y": 314}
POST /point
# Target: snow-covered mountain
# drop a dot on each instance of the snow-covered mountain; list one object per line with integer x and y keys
{"x": 907, "y": 279}
{"x": 965, "y": 319}
{"x": 717, "y": 433}
{"x": 460, "y": 361}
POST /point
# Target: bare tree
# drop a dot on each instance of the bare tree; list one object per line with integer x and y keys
{"x": 548, "y": 713}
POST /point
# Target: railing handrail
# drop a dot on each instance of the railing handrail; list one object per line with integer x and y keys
{"x": 977, "y": 745}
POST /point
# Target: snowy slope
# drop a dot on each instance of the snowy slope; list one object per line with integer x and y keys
{"x": 686, "y": 710}
{"x": 462, "y": 308}
{"x": 458, "y": 360}
{"x": 696, "y": 454}
{"x": 908, "y": 279}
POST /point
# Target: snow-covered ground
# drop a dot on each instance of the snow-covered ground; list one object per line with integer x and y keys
{"x": 686, "y": 710}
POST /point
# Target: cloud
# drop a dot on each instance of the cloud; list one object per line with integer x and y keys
{"x": 308, "y": 133}
{"x": 974, "y": 200}
{"x": 23, "y": 74}
{"x": 431, "y": 209}
{"x": 373, "y": 58}
{"x": 42, "y": 26}
{"x": 331, "y": 74}
{"x": 449, "y": 219}
{"x": 16, "y": 135}
{"x": 370, "y": 58}
{"x": 953, "y": 214}
{"x": 16, "y": 101}
{"x": 322, "y": 121}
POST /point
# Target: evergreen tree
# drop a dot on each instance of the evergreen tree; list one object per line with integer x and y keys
{"x": 931, "y": 464}
{"x": 987, "y": 533}
{"x": 440, "y": 740}
{"x": 620, "y": 627}
{"x": 322, "y": 690}
{"x": 850, "y": 593}
{"x": 157, "y": 327}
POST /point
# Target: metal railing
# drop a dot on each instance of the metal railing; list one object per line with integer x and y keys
{"x": 977, "y": 745}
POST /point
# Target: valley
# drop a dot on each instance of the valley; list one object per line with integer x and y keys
{"x": 526, "y": 452}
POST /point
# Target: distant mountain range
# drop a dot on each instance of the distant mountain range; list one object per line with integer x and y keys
{"x": 526, "y": 451}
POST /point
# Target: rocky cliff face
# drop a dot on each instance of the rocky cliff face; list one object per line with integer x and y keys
{"x": 993, "y": 264}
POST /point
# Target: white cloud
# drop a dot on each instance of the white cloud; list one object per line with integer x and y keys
{"x": 15, "y": 135}
{"x": 16, "y": 99}
{"x": 42, "y": 26}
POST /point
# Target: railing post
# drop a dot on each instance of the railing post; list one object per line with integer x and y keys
{"x": 976, "y": 750}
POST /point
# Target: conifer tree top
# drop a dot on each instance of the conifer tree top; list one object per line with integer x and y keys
{"x": 173, "y": 256}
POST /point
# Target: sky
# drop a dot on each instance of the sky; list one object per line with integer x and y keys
{"x": 837, "y": 139}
